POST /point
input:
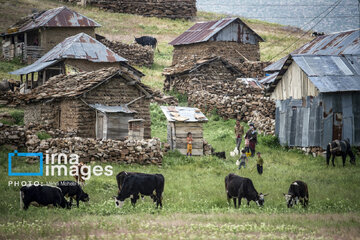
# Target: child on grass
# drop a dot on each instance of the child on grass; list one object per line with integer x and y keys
{"x": 243, "y": 159}
{"x": 189, "y": 144}
{"x": 259, "y": 163}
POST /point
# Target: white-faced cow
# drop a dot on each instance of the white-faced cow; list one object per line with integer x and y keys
{"x": 298, "y": 190}
{"x": 42, "y": 196}
{"x": 146, "y": 41}
{"x": 73, "y": 190}
{"x": 143, "y": 184}
{"x": 238, "y": 187}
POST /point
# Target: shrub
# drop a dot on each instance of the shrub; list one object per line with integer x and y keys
{"x": 43, "y": 135}
{"x": 18, "y": 116}
{"x": 270, "y": 141}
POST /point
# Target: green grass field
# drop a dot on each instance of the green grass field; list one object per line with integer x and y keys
{"x": 194, "y": 199}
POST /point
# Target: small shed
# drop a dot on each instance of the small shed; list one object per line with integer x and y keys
{"x": 181, "y": 121}
{"x": 229, "y": 38}
{"x": 78, "y": 53}
{"x": 36, "y": 34}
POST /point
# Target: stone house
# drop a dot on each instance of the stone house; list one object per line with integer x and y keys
{"x": 36, "y": 34}
{"x": 95, "y": 104}
{"x": 205, "y": 72}
{"x": 229, "y": 38}
{"x": 78, "y": 53}
{"x": 317, "y": 92}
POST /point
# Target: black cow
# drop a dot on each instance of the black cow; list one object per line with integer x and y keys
{"x": 146, "y": 41}
{"x": 239, "y": 187}
{"x": 42, "y": 195}
{"x": 73, "y": 190}
{"x": 144, "y": 184}
{"x": 298, "y": 190}
{"x": 220, "y": 154}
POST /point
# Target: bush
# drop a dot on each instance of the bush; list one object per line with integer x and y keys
{"x": 43, "y": 135}
{"x": 270, "y": 141}
{"x": 18, "y": 116}
{"x": 182, "y": 98}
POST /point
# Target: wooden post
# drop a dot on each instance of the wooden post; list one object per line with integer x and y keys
{"x": 27, "y": 82}
{"x": 44, "y": 76}
{"x": 32, "y": 80}
{"x": 25, "y": 46}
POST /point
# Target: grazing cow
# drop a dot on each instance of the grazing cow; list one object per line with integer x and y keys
{"x": 73, "y": 190}
{"x": 220, "y": 154}
{"x": 339, "y": 148}
{"x": 82, "y": 173}
{"x": 144, "y": 184}
{"x": 298, "y": 190}
{"x": 42, "y": 195}
{"x": 239, "y": 187}
{"x": 120, "y": 177}
{"x": 146, "y": 41}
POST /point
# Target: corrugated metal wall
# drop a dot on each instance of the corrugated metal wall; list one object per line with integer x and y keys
{"x": 310, "y": 122}
{"x": 236, "y": 32}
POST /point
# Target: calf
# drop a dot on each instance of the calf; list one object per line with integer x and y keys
{"x": 42, "y": 195}
{"x": 144, "y": 184}
{"x": 298, "y": 190}
{"x": 239, "y": 187}
{"x": 82, "y": 172}
{"x": 146, "y": 41}
{"x": 73, "y": 190}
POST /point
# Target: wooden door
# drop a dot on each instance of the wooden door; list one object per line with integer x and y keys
{"x": 337, "y": 126}
{"x": 99, "y": 126}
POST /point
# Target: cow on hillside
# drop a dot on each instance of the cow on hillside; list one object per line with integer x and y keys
{"x": 298, "y": 190}
{"x": 146, "y": 41}
{"x": 73, "y": 190}
{"x": 144, "y": 184}
{"x": 238, "y": 187}
{"x": 41, "y": 195}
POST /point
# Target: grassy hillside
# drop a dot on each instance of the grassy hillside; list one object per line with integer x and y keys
{"x": 123, "y": 27}
{"x": 195, "y": 205}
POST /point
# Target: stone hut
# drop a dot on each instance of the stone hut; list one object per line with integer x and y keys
{"x": 317, "y": 92}
{"x": 229, "y": 38}
{"x": 95, "y": 104}
{"x": 181, "y": 121}
{"x": 205, "y": 72}
{"x": 79, "y": 53}
{"x": 36, "y": 34}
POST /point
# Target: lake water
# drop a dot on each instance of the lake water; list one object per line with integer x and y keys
{"x": 300, "y": 13}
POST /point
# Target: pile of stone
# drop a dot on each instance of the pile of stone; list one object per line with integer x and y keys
{"x": 162, "y": 99}
{"x": 244, "y": 101}
{"x": 10, "y": 98}
{"x": 185, "y": 9}
{"x": 90, "y": 149}
{"x": 12, "y": 135}
{"x": 136, "y": 54}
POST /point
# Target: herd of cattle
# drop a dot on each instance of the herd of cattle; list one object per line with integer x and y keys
{"x": 133, "y": 184}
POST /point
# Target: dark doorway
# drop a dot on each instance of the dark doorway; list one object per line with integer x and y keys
{"x": 337, "y": 126}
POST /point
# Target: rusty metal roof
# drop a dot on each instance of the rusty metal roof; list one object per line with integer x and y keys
{"x": 183, "y": 114}
{"x": 203, "y": 31}
{"x": 79, "y": 46}
{"x": 57, "y": 17}
{"x": 332, "y": 44}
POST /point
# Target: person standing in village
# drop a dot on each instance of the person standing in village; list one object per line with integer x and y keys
{"x": 251, "y": 135}
{"x": 259, "y": 163}
{"x": 243, "y": 159}
{"x": 189, "y": 144}
{"x": 239, "y": 132}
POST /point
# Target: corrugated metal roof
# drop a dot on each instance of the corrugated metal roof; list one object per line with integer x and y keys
{"x": 33, "y": 67}
{"x": 59, "y": 17}
{"x": 269, "y": 79}
{"x": 332, "y": 44}
{"x": 327, "y": 84}
{"x": 203, "y": 31}
{"x": 112, "y": 109}
{"x": 183, "y": 114}
{"x": 80, "y": 46}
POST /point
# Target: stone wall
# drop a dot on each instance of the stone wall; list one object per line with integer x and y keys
{"x": 237, "y": 100}
{"x": 173, "y": 9}
{"x": 136, "y": 54}
{"x": 231, "y": 51}
{"x": 12, "y": 135}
